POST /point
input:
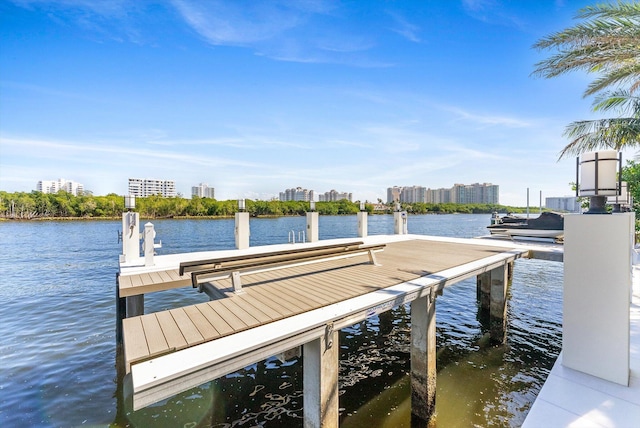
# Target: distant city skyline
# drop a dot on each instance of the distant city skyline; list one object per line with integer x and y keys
{"x": 249, "y": 96}
{"x": 486, "y": 193}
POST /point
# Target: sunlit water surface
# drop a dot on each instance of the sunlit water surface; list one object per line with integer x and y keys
{"x": 57, "y": 336}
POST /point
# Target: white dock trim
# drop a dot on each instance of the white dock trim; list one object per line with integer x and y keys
{"x": 573, "y": 399}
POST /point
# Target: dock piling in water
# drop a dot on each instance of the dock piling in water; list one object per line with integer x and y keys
{"x": 492, "y": 299}
{"x": 423, "y": 358}
{"x": 320, "y": 380}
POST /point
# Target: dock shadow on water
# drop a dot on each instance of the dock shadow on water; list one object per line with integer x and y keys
{"x": 479, "y": 383}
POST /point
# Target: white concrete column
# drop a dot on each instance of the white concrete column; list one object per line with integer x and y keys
{"x": 312, "y": 226}
{"x": 320, "y": 381}
{"x": 242, "y": 231}
{"x": 597, "y": 294}
{"x": 400, "y": 222}
{"x": 149, "y": 237}
{"x": 130, "y": 236}
{"x": 423, "y": 358}
{"x": 362, "y": 224}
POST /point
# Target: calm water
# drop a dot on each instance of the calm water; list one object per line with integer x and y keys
{"x": 57, "y": 336}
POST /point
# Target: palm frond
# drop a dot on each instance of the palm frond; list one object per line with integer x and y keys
{"x": 622, "y": 100}
{"x": 589, "y": 135}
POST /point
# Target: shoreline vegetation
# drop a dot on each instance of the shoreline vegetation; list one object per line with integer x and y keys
{"x": 66, "y": 206}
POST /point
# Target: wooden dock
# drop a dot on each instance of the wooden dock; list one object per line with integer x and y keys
{"x": 174, "y": 350}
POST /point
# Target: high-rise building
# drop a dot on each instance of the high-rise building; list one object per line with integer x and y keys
{"x": 297, "y": 194}
{"x": 333, "y": 195}
{"x": 476, "y": 193}
{"x": 203, "y": 191}
{"x": 393, "y": 194}
{"x": 438, "y": 196}
{"x": 413, "y": 194}
{"x": 47, "y": 186}
{"x": 143, "y": 187}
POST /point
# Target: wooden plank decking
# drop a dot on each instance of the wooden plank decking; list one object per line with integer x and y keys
{"x": 274, "y": 295}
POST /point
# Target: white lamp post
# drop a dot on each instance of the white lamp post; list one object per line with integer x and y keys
{"x": 362, "y": 206}
{"x": 241, "y": 205}
{"x": 312, "y": 206}
{"x": 597, "y": 275}
{"x": 597, "y": 173}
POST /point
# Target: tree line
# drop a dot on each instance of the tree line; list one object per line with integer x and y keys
{"x": 38, "y": 205}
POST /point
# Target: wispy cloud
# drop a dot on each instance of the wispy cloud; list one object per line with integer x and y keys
{"x": 279, "y": 30}
{"x": 491, "y": 12}
{"x": 105, "y": 20}
{"x": 405, "y": 28}
{"x": 238, "y": 23}
{"x": 487, "y": 120}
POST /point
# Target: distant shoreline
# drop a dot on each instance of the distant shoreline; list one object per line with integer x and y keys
{"x": 207, "y": 217}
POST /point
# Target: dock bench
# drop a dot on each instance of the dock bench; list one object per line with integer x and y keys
{"x": 207, "y": 270}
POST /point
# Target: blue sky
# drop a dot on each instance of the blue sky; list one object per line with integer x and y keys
{"x": 253, "y": 97}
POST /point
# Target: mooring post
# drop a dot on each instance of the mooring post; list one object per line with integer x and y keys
{"x": 423, "y": 359}
{"x": 130, "y": 236}
{"x": 362, "y": 224}
{"x": 149, "y": 237}
{"x": 320, "y": 381}
{"x": 242, "y": 232}
{"x": 498, "y": 306}
{"x": 400, "y": 223}
{"x": 312, "y": 226}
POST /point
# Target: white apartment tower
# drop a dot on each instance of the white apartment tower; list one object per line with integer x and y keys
{"x": 333, "y": 195}
{"x": 47, "y": 186}
{"x": 297, "y": 194}
{"x": 485, "y": 193}
{"x": 143, "y": 187}
{"x": 203, "y": 191}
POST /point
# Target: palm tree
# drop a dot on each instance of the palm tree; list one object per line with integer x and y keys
{"x": 608, "y": 43}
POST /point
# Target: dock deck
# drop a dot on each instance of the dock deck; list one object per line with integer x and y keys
{"x": 171, "y": 351}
